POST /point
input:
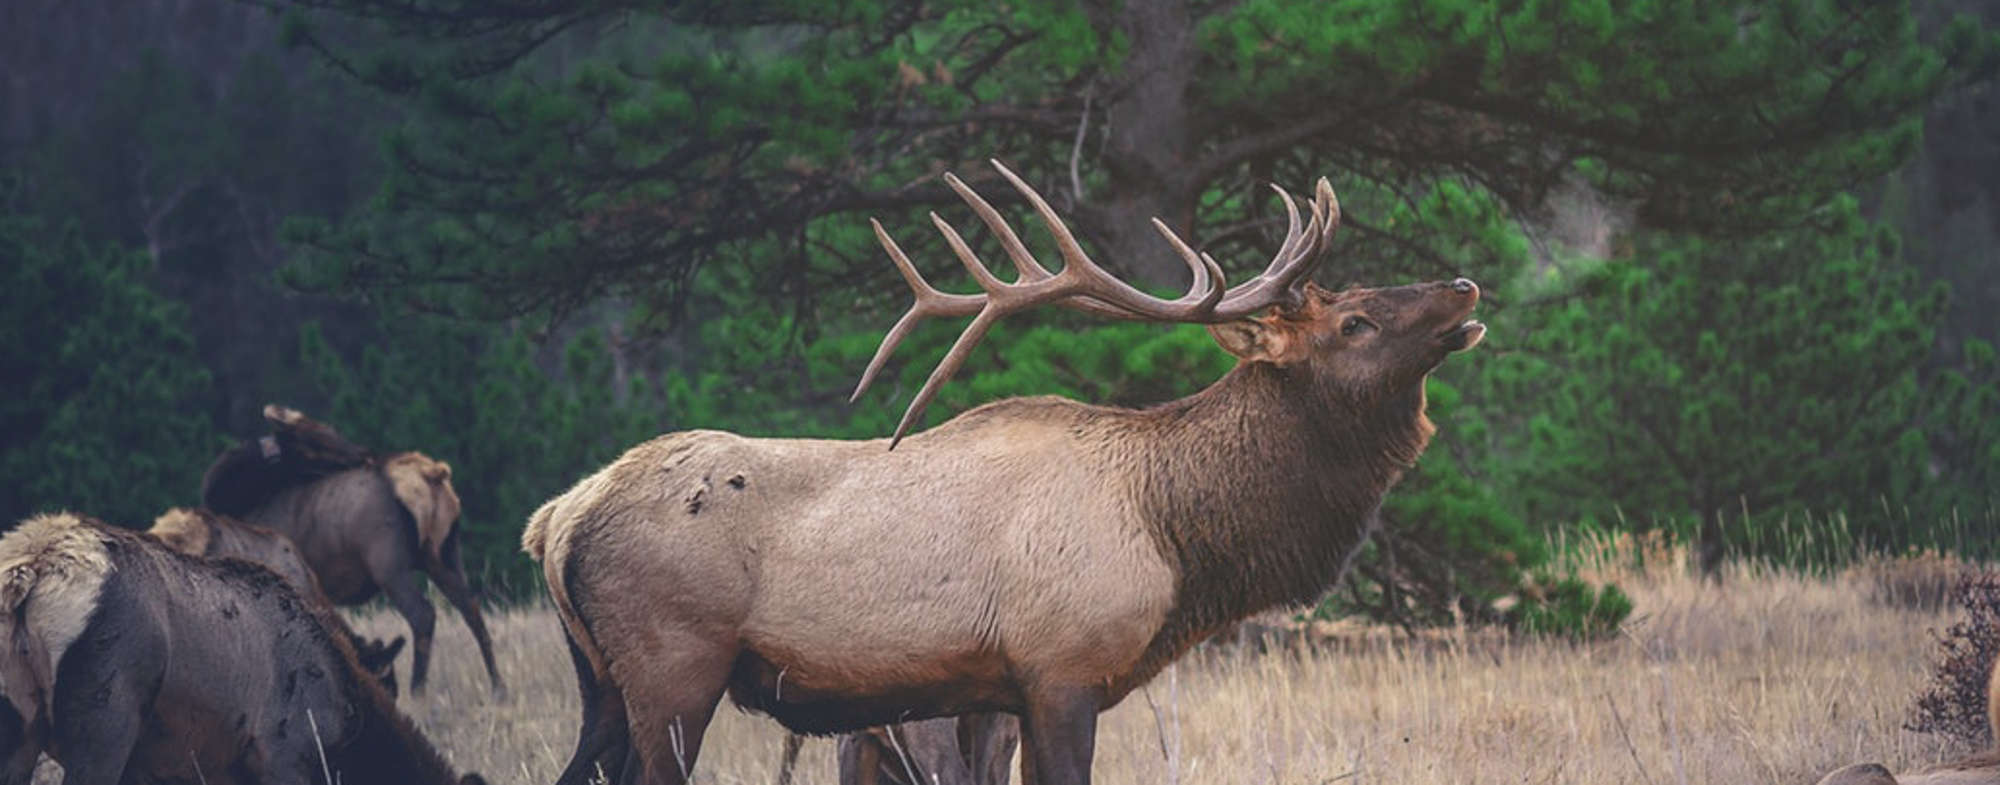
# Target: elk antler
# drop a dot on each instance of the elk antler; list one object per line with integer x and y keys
{"x": 1085, "y": 286}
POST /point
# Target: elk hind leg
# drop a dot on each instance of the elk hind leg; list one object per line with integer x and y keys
{"x": 670, "y": 695}
{"x": 448, "y": 573}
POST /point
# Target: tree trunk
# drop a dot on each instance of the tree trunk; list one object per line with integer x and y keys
{"x": 1710, "y": 548}
{"x": 1149, "y": 147}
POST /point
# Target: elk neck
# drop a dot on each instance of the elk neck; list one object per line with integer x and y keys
{"x": 1259, "y": 490}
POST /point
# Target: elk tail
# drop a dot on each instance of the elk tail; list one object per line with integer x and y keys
{"x": 535, "y": 538}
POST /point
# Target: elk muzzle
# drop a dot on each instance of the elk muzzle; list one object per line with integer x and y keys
{"x": 1464, "y": 333}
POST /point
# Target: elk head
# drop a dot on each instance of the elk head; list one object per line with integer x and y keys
{"x": 1360, "y": 343}
{"x": 1356, "y": 344}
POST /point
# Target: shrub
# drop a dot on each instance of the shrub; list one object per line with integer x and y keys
{"x": 1569, "y": 607}
{"x": 1954, "y": 704}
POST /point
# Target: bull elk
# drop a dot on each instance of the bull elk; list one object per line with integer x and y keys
{"x": 1036, "y": 556}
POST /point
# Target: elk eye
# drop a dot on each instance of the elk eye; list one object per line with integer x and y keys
{"x": 1355, "y": 324}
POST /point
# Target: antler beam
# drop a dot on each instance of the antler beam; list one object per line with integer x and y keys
{"x": 1085, "y": 286}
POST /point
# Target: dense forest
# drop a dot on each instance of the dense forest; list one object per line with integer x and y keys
{"x": 1742, "y": 260}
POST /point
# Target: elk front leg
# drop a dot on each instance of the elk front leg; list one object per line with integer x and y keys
{"x": 1058, "y": 736}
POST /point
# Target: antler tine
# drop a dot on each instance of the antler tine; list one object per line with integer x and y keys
{"x": 960, "y": 350}
{"x": 1292, "y": 233}
{"x": 984, "y": 277}
{"x": 929, "y": 302}
{"x": 1301, "y": 246}
{"x": 1323, "y": 195}
{"x": 1203, "y": 267}
{"x": 1295, "y": 259}
{"x": 1085, "y": 274}
{"x": 1024, "y": 262}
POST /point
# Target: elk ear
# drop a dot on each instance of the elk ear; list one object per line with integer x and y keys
{"x": 1259, "y": 340}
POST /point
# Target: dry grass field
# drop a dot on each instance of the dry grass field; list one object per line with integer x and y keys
{"x": 1766, "y": 678}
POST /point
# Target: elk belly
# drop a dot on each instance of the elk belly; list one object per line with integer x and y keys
{"x": 806, "y": 699}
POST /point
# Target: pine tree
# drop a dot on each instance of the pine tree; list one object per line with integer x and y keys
{"x": 1710, "y": 379}
{"x": 565, "y": 150}
{"x": 103, "y": 411}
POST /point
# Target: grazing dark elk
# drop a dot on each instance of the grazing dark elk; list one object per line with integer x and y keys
{"x": 1036, "y": 556}
{"x": 973, "y": 749}
{"x": 202, "y": 532}
{"x": 128, "y": 661}
{"x": 363, "y": 528}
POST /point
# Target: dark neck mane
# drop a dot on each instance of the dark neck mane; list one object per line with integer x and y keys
{"x": 1259, "y": 490}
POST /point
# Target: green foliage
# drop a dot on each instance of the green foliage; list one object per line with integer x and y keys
{"x": 1586, "y": 74}
{"x": 1569, "y": 607}
{"x": 710, "y": 163}
{"x": 515, "y": 429}
{"x": 1761, "y": 381}
{"x": 1962, "y": 430}
{"x": 101, "y": 414}
{"x": 555, "y": 154}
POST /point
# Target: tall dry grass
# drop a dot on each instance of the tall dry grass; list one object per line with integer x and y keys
{"x": 1763, "y": 677}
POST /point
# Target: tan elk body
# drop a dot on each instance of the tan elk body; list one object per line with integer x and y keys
{"x": 1037, "y": 556}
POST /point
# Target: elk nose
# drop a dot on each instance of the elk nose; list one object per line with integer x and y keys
{"x": 1464, "y": 286}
